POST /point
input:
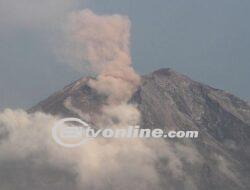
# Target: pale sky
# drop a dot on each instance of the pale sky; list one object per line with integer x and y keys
{"x": 207, "y": 40}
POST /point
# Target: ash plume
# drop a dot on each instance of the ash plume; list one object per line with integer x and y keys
{"x": 100, "y": 43}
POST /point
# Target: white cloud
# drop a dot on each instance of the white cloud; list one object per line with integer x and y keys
{"x": 26, "y": 144}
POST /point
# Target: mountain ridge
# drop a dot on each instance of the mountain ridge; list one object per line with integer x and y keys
{"x": 172, "y": 101}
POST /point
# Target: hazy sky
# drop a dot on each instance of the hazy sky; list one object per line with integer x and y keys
{"x": 207, "y": 40}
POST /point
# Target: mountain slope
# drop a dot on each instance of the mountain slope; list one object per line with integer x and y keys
{"x": 169, "y": 100}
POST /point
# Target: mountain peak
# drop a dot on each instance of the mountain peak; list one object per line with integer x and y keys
{"x": 165, "y": 71}
{"x": 170, "y": 74}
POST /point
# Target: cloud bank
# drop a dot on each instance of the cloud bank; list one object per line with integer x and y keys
{"x": 30, "y": 159}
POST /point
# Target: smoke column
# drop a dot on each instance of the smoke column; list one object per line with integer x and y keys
{"x": 101, "y": 44}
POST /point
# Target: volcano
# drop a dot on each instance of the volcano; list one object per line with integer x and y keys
{"x": 172, "y": 101}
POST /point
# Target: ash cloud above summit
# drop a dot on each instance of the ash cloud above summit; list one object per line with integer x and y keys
{"x": 116, "y": 96}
